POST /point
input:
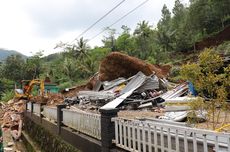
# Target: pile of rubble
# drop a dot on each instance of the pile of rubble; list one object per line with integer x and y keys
{"x": 129, "y": 83}
{"x": 137, "y": 93}
{"x": 50, "y": 99}
{"x": 11, "y": 116}
{"x": 117, "y": 65}
{"x": 126, "y": 83}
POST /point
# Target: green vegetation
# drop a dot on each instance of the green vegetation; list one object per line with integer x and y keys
{"x": 171, "y": 42}
{"x": 224, "y": 48}
{"x": 7, "y": 95}
{"x": 212, "y": 81}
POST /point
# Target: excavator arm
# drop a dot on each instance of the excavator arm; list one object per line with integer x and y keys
{"x": 28, "y": 88}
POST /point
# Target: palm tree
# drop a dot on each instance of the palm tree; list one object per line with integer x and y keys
{"x": 143, "y": 34}
{"x": 143, "y": 29}
{"x": 80, "y": 50}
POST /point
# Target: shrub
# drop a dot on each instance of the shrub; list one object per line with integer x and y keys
{"x": 7, "y": 95}
{"x": 210, "y": 83}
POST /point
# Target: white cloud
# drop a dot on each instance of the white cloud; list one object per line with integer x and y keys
{"x": 33, "y": 25}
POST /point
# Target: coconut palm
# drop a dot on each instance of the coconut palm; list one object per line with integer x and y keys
{"x": 81, "y": 48}
{"x": 143, "y": 34}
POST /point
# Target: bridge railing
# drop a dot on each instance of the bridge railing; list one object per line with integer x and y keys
{"x": 36, "y": 109}
{"x": 87, "y": 123}
{"x": 84, "y": 122}
{"x": 136, "y": 135}
{"x": 50, "y": 113}
{"x": 28, "y": 106}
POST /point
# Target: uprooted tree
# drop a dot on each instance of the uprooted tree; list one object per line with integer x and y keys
{"x": 211, "y": 79}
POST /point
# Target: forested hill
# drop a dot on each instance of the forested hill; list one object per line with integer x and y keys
{"x": 178, "y": 37}
{"x": 5, "y": 53}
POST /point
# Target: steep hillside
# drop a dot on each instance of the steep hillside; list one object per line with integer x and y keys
{"x": 5, "y": 53}
{"x": 214, "y": 40}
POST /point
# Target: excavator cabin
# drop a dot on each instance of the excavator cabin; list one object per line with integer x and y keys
{"x": 25, "y": 90}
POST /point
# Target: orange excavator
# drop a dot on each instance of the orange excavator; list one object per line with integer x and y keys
{"x": 25, "y": 92}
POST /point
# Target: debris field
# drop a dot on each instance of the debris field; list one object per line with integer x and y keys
{"x": 137, "y": 88}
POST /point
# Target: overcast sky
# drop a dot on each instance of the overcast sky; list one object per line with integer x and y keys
{"x": 32, "y": 25}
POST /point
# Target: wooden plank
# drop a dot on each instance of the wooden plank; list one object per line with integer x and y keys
{"x": 216, "y": 144}
{"x": 125, "y": 135}
{"x": 176, "y": 108}
{"x": 149, "y": 139}
{"x": 129, "y": 136}
{"x": 143, "y": 139}
{"x": 120, "y": 132}
{"x": 177, "y": 141}
{"x": 116, "y": 131}
{"x": 162, "y": 139}
{"x": 185, "y": 142}
{"x": 194, "y": 142}
{"x": 134, "y": 137}
{"x": 138, "y": 138}
{"x": 228, "y": 143}
{"x": 205, "y": 143}
{"x": 145, "y": 105}
{"x": 155, "y": 139}
{"x": 169, "y": 140}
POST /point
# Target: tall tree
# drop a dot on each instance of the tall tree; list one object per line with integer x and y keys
{"x": 165, "y": 32}
{"x": 13, "y": 68}
{"x": 80, "y": 50}
{"x": 142, "y": 34}
{"x": 165, "y": 20}
{"x": 221, "y": 10}
{"x": 69, "y": 68}
{"x": 181, "y": 37}
{"x": 125, "y": 41}
{"x": 33, "y": 66}
{"x": 109, "y": 40}
{"x": 203, "y": 17}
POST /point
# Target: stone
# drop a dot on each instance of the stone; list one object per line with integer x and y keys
{"x": 9, "y": 144}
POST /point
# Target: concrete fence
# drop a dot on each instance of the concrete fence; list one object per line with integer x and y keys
{"x": 142, "y": 136}
{"x": 36, "y": 109}
{"x": 87, "y": 123}
{"x": 28, "y": 106}
{"x": 107, "y": 131}
{"x": 50, "y": 113}
{"x": 85, "y": 128}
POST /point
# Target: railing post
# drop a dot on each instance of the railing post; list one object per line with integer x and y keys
{"x": 41, "y": 109}
{"x": 59, "y": 117}
{"x": 26, "y": 106}
{"x": 32, "y": 108}
{"x": 107, "y": 128}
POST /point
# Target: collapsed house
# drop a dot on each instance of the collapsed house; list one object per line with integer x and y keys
{"x": 123, "y": 82}
{"x": 129, "y": 83}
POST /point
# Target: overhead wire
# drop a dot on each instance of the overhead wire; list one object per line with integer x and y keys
{"x": 118, "y": 20}
{"x": 86, "y": 30}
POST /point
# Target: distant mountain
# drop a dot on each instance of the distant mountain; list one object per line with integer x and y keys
{"x": 53, "y": 57}
{"x": 5, "y": 53}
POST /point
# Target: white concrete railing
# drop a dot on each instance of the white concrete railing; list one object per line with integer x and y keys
{"x": 37, "y": 109}
{"x": 28, "y": 106}
{"x": 50, "y": 113}
{"x": 87, "y": 123}
{"x": 135, "y": 135}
